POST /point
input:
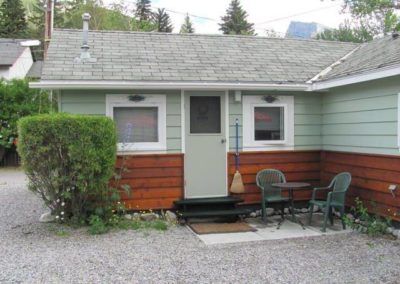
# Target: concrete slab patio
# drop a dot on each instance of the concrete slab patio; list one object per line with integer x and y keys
{"x": 32, "y": 252}
{"x": 269, "y": 231}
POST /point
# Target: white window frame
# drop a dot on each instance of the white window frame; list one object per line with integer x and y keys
{"x": 158, "y": 101}
{"x": 249, "y": 142}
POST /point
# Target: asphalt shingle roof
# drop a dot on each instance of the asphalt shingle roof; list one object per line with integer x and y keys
{"x": 10, "y": 50}
{"x": 135, "y": 56}
{"x": 379, "y": 53}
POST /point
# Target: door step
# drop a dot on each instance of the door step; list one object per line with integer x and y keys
{"x": 216, "y": 213}
{"x": 225, "y": 206}
{"x": 209, "y": 201}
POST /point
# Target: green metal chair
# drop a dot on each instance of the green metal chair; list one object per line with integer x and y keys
{"x": 269, "y": 194}
{"x": 336, "y": 198}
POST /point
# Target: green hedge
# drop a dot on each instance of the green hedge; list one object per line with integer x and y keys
{"x": 69, "y": 160}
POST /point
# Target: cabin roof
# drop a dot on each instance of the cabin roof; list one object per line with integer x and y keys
{"x": 139, "y": 56}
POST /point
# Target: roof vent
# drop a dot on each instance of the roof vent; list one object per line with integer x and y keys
{"x": 85, "y": 54}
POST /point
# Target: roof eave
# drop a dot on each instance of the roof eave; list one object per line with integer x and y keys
{"x": 356, "y": 78}
{"x": 132, "y": 85}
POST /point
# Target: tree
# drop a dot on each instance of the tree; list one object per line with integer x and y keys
{"x": 235, "y": 20}
{"x": 101, "y": 17}
{"x": 143, "y": 10}
{"x": 346, "y": 33}
{"x": 12, "y": 19}
{"x": 187, "y": 26}
{"x": 380, "y": 17}
{"x": 162, "y": 21}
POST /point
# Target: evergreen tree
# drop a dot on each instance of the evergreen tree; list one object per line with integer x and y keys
{"x": 162, "y": 21}
{"x": 143, "y": 10}
{"x": 12, "y": 19}
{"x": 235, "y": 20}
{"x": 187, "y": 26}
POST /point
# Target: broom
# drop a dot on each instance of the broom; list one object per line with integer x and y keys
{"x": 237, "y": 183}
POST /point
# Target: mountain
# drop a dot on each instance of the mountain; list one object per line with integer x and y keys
{"x": 303, "y": 30}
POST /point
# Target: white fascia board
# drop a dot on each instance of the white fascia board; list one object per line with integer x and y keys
{"x": 126, "y": 85}
{"x": 357, "y": 78}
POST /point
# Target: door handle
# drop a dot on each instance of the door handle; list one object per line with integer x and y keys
{"x": 223, "y": 140}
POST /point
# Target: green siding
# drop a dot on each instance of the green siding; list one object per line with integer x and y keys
{"x": 362, "y": 117}
{"x": 307, "y": 119}
{"x": 94, "y": 103}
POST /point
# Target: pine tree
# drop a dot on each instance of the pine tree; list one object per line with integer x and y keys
{"x": 162, "y": 21}
{"x": 12, "y": 19}
{"x": 187, "y": 26}
{"x": 143, "y": 10}
{"x": 235, "y": 20}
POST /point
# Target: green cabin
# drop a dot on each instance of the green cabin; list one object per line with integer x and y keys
{"x": 309, "y": 108}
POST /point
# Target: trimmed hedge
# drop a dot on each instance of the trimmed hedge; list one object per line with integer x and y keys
{"x": 69, "y": 160}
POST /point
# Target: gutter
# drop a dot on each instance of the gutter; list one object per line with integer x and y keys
{"x": 356, "y": 78}
{"x": 132, "y": 85}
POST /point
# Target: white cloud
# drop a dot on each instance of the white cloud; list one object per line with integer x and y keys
{"x": 266, "y": 14}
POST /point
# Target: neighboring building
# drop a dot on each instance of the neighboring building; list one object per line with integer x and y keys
{"x": 304, "y": 30}
{"x": 309, "y": 108}
{"x": 16, "y": 60}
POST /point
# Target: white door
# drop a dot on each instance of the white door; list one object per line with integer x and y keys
{"x": 205, "y": 145}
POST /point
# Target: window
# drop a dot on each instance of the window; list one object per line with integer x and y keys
{"x": 136, "y": 124}
{"x": 141, "y": 125}
{"x": 205, "y": 115}
{"x": 268, "y": 125}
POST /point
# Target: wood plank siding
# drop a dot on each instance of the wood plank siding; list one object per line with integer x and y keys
{"x": 156, "y": 180}
{"x": 296, "y": 165}
{"x": 372, "y": 175}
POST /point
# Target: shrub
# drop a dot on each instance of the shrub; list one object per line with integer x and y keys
{"x": 16, "y": 101}
{"x": 69, "y": 160}
{"x": 364, "y": 222}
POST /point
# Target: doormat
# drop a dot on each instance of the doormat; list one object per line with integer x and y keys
{"x": 220, "y": 228}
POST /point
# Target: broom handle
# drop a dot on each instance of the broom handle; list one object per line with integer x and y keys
{"x": 237, "y": 145}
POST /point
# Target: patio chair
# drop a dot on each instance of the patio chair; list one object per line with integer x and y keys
{"x": 269, "y": 194}
{"x": 336, "y": 198}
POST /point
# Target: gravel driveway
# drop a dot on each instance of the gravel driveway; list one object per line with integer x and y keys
{"x": 32, "y": 252}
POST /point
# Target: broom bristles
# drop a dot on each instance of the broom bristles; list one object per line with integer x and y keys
{"x": 237, "y": 183}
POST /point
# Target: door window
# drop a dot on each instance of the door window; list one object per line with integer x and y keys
{"x": 205, "y": 115}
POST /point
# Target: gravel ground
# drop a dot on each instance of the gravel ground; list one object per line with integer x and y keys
{"x": 32, "y": 252}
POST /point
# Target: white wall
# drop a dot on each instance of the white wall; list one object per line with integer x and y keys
{"x": 20, "y": 67}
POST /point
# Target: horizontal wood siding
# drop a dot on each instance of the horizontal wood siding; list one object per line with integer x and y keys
{"x": 94, "y": 103}
{"x": 296, "y": 165}
{"x": 372, "y": 175}
{"x": 156, "y": 181}
{"x": 362, "y": 118}
{"x": 307, "y": 119}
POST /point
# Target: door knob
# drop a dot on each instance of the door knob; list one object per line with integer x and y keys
{"x": 223, "y": 140}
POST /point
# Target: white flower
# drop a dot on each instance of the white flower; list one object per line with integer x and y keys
{"x": 57, "y": 217}
{"x": 63, "y": 204}
{"x": 58, "y": 200}
{"x": 62, "y": 219}
{"x": 62, "y": 213}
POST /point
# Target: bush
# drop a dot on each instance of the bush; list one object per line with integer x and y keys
{"x": 16, "y": 101}
{"x": 69, "y": 160}
{"x": 364, "y": 222}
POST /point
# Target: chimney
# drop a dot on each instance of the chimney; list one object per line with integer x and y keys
{"x": 85, "y": 57}
{"x": 49, "y": 23}
{"x": 85, "y": 46}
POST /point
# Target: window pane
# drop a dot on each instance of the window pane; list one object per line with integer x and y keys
{"x": 136, "y": 124}
{"x": 205, "y": 115}
{"x": 268, "y": 123}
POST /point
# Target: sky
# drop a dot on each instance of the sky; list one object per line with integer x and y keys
{"x": 265, "y": 14}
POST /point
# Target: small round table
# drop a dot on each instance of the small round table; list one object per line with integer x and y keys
{"x": 291, "y": 186}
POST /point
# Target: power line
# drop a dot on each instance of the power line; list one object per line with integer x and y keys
{"x": 295, "y": 15}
